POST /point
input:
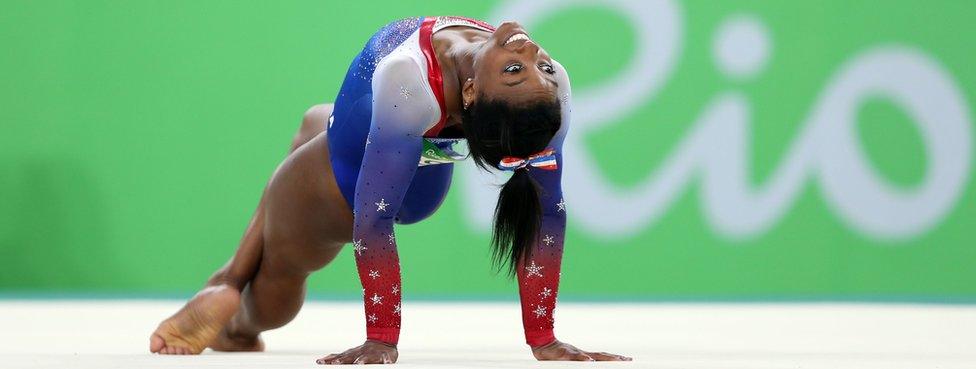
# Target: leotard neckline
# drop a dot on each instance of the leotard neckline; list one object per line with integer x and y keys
{"x": 434, "y": 78}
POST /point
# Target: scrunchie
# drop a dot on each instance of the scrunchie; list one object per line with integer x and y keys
{"x": 545, "y": 159}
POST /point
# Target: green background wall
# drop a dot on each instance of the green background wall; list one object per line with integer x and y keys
{"x": 137, "y": 135}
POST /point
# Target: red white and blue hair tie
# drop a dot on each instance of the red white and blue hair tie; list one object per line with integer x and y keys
{"x": 545, "y": 159}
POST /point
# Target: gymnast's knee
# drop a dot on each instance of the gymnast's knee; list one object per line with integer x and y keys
{"x": 314, "y": 121}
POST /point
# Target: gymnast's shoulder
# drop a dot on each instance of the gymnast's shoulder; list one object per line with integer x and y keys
{"x": 401, "y": 89}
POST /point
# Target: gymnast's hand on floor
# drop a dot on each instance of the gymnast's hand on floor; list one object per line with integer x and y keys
{"x": 565, "y": 352}
{"x": 371, "y": 352}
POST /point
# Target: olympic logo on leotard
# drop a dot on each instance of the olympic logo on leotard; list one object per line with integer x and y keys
{"x": 825, "y": 152}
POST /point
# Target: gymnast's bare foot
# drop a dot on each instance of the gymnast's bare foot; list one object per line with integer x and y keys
{"x": 197, "y": 324}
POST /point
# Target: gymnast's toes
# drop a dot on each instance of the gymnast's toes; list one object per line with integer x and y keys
{"x": 197, "y": 324}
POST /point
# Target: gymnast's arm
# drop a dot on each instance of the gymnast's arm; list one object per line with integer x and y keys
{"x": 393, "y": 149}
{"x": 539, "y": 274}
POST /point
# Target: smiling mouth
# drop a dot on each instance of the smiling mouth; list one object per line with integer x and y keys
{"x": 516, "y": 37}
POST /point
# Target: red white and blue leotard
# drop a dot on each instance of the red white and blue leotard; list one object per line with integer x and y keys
{"x": 389, "y": 112}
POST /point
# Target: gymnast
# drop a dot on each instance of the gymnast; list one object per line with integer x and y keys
{"x": 419, "y": 91}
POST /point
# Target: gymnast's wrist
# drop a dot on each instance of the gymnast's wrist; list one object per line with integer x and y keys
{"x": 539, "y": 338}
{"x": 387, "y": 336}
{"x": 387, "y": 344}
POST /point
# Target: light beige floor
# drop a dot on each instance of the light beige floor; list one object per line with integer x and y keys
{"x": 114, "y": 334}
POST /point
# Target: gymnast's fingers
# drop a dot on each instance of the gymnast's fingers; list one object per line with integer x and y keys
{"x": 337, "y": 359}
{"x": 361, "y": 359}
{"x": 603, "y": 356}
{"x": 377, "y": 358}
{"x": 326, "y": 359}
{"x": 580, "y": 356}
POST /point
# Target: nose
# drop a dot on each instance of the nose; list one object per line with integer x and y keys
{"x": 529, "y": 46}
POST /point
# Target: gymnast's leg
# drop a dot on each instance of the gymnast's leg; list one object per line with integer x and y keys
{"x": 196, "y": 325}
{"x": 307, "y": 224}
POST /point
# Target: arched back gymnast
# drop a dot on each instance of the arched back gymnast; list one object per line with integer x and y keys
{"x": 383, "y": 154}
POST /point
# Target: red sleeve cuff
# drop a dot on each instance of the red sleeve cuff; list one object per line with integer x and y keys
{"x": 539, "y": 338}
{"x": 387, "y": 335}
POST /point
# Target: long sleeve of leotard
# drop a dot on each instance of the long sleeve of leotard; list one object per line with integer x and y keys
{"x": 538, "y": 275}
{"x": 401, "y": 113}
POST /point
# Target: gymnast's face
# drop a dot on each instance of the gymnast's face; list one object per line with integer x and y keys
{"x": 511, "y": 67}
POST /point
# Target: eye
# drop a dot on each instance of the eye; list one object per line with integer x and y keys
{"x": 546, "y": 67}
{"x": 513, "y": 68}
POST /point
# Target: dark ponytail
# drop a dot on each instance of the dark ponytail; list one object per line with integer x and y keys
{"x": 518, "y": 217}
{"x": 495, "y": 129}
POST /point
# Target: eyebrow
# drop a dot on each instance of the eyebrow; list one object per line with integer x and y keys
{"x": 510, "y": 84}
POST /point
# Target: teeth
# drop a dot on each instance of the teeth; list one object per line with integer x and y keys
{"x": 516, "y": 37}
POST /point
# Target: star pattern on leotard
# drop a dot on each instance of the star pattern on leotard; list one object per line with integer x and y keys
{"x": 534, "y": 270}
{"x": 381, "y": 263}
{"x": 561, "y": 206}
{"x": 548, "y": 239}
{"x": 358, "y": 246}
{"x": 540, "y": 311}
{"x": 381, "y": 206}
{"x": 546, "y": 292}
